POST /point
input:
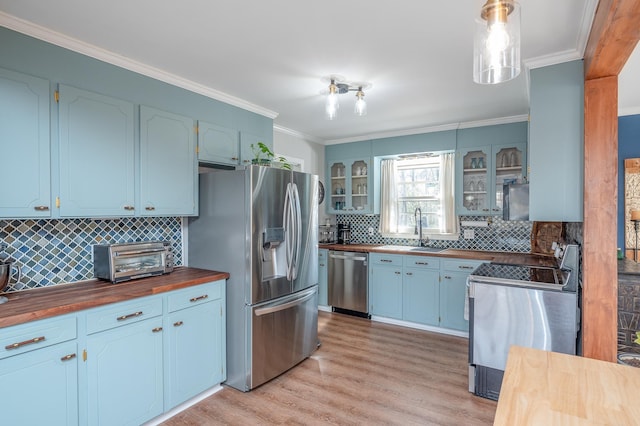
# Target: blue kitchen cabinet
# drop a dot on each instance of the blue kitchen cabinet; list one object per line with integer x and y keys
{"x": 480, "y": 173}
{"x": 194, "y": 364}
{"x": 323, "y": 276}
{"x": 218, "y": 144}
{"x": 556, "y": 143}
{"x": 96, "y": 139}
{"x": 168, "y": 164}
{"x": 39, "y": 365}
{"x": 124, "y": 362}
{"x": 350, "y": 186}
{"x": 385, "y": 285}
{"x": 420, "y": 290}
{"x": 453, "y": 292}
{"x": 25, "y": 142}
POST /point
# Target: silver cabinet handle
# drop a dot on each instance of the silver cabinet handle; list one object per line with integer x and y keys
{"x": 465, "y": 267}
{"x": 129, "y": 208}
{"x": 157, "y": 329}
{"x": 421, "y": 263}
{"x": 128, "y": 316}
{"x": 41, "y": 208}
{"x": 149, "y": 208}
{"x": 397, "y": 272}
{"x": 24, "y": 343}
{"x": 447, "y": 277}
{"x": 234, "y": 158}
{"x": 322, "y": 264}
{"x": 386, "y": 260}
{"x": 195, "y": 299}
{"x": 177, "y": 324}
{"x": 409, "y": 273}
{"x": 68, "y": 357}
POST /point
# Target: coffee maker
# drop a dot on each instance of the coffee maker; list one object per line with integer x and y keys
{"x": 344, "y": 233}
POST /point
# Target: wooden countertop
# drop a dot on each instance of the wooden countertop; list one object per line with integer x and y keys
{"x": 487, "y": 256}
{"x": 548, "y": 388}
{"x": 34, "y": 304}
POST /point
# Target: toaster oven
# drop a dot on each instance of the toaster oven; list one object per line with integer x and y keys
{"x": 129, "y": 261}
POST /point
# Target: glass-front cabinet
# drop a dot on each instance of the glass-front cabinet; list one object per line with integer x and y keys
{"x": 482, "y": 171}
{"x": 350, "y": 186}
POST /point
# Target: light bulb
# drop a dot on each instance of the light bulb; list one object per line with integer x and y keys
{"x": 361, "y": 105}
{"x": 498, "y": 38}
{"x": 332, "y": 105}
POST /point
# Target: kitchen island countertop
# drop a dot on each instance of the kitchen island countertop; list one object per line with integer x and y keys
{"x": 488, "y": 256}
{"x": 40, "y": 303}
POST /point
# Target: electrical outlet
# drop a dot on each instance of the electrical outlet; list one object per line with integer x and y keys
{"x": 469, "y": 234}
{"x": 371, "y": 231}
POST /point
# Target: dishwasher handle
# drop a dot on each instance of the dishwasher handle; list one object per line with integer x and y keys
{"x": 358, "y": 258}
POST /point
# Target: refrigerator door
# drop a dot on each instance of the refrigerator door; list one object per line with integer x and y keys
{"x": 306, "y": 260}
{"x": 268, "y": 234}
{"x": 284, "y": 332}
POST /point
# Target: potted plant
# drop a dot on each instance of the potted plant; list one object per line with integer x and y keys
{"x": 263, "y": 156}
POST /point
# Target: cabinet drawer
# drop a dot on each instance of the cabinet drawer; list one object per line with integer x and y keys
{"x": 195, "y": 295}
{"x": 421, "y": 262}
{"x": 385, "y": 259}
{"x": 36, "y": 334}
{"x": 460, "y": 265}
{"x": 123, "y": 313}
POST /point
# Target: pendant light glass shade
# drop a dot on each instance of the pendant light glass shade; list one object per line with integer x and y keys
{"x": 332, "y": 104}
{"x": 361, "y": 105}
{"x": 496, "y": 50}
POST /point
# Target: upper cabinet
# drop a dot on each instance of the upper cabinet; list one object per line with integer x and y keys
{"x": 97, "y": 163}
{"x": 217, "y": 144}
{"x": 556, "y": 143}
{"x": 25, "y": 142}
{"x": 350, "y": 186}
{"x": 168, "y": 166}
{"x": 482, "y": 171}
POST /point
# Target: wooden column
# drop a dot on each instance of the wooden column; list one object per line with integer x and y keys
{"x": 600, "y": 285}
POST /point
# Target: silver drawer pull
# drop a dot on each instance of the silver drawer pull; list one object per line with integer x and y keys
{"x": 397, "y": 272}
{"x": 41, "y": 208}
{"x": 177, "y": 324}
{"x": 157, "y": 329}
{"x": 24, "y": 343}
{"x": 126, "y": 317}
{"x": 68, "y": 357}
{"x": 149, "y": 208}
{"x": 447, "y": 277}
{"x": 195, "y": 299}
{"x": 409, "y": 273}
{"x": 129, "y": 208}
{"x": 465, "y": 267}
{"x": 322, "y": 264}
{"x": 386, "y": 260}
{"x": 421, "y": 263}
{"x": 234, "y": 158}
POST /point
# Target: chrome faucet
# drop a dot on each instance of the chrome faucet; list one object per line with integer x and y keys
{"x": 418, "y": 228}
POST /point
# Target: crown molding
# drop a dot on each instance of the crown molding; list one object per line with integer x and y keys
{"x": 628, "y": 111}
{"x": 553, "y": 59}
{"x": 297, "y": 134}
{"x": 78, "y": 46}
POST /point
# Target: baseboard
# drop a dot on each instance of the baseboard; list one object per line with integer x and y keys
{"x": 165, "y": 416}
{"x": 420, "y": 326}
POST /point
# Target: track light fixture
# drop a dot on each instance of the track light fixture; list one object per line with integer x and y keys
{"x": 339, "y": 87}
{"x": 496, "y": 48}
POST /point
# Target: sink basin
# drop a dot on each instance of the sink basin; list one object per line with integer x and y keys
{"x": 428, "y": 249}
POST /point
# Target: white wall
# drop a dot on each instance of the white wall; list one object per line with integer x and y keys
{"x": 310, "y": 152}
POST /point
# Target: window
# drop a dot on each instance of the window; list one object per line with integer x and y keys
{"x": 418, "y": 186}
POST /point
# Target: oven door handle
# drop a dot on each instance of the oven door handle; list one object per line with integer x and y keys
{"x": 137, "y": 252}
{"x": 337, "y": 256}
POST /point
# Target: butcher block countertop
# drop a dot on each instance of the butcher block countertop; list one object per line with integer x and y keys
{"x": 487, "y": 256}
{"x": 35, "y": 304}
{"x": 548, "y": 388}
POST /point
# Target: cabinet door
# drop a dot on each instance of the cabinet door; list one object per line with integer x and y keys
{"x": 385, "y": 287}
{"x": 323, "y": 274}
{"x": 168, "y": 166}
{"x": 195, "y": 351}
{"x": 351, "y": 186}
{"x": 217, "y": 144}
{"x": 41, "y": 387}
{"x": 474, "y": 181}
{"x": 24, "y": 140}
{"x": 124, "y": 374}
{"x": 509, "y": 165}
{"x": 453, "y": 292}
{"x": 420, "y": 296}
{"x": 96, "y": 155}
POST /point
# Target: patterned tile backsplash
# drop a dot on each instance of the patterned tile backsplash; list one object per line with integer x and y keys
{"x": 55, "y": 251}
{"x": 500, "y": 235}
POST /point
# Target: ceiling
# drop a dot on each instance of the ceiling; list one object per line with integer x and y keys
{"x": 271, "y": 56}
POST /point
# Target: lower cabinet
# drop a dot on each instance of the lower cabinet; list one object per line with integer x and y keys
{"x": 419, "y": 289}
{"x": 323, "y": 277}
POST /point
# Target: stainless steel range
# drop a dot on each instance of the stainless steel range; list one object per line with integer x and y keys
{"x": 529, "y": 306}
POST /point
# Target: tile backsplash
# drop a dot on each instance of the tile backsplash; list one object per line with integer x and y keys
{"x": 55, "y": 251}
{"x": 500, "y": 235}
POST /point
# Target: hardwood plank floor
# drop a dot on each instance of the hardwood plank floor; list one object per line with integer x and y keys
{"x": 364, "y": 373}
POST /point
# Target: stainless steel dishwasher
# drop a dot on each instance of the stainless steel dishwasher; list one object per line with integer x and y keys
{"x": 348, "y": 282}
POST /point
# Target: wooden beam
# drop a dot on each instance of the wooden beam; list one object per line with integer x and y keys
{"x": 600, "y": 285}
{"x": 614, "y": 34}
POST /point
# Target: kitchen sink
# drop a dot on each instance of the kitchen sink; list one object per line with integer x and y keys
{"x": 428, "y": 249}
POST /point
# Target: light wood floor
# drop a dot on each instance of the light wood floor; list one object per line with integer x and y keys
{"x": 364, "y": 373}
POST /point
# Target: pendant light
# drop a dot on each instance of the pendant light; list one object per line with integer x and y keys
{"x": 361, "y": 105}
{"x": 337, "y": 87}
{"x": 332, "y": 104}
{"x": 496, "y": 50}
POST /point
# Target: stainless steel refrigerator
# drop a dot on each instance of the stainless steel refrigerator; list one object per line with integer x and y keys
{"x": 260, "y": 225}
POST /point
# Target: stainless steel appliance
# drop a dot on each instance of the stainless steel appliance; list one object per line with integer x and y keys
{"x": 128, "y": 261}
{"x": 515, "y": 201}
{"x": 519, "y": 305}
{"x": 344, "y": 233}
{"x": 348, "y": 282}
{"x": 8, "y": 267}
{"x": 260, "y": 224}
